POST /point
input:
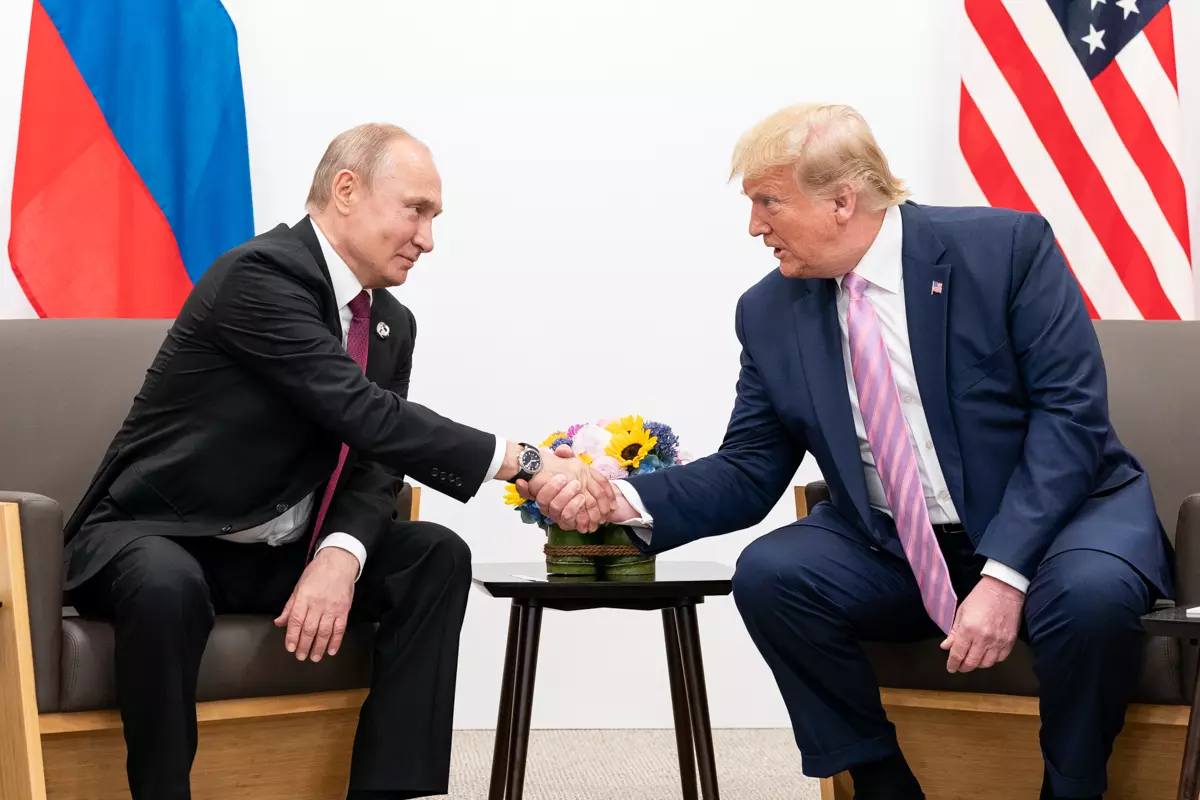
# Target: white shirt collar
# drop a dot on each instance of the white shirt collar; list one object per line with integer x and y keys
{"x": 345, "y": 284}
{"x": 882, "y": 264}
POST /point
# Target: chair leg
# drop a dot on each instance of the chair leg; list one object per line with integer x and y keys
{"x": 531, "y": 629}
{"x": 1189, "y": 778}
{"x": 505, "y": 716}
{"x": 679, "y": 705}
{"x": 693, "y": 664}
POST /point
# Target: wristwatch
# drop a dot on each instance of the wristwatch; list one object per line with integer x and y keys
{"x": 529, "y": 462}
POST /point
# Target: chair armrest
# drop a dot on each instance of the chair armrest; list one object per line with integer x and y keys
{"x": 408, "y": 502}
{"x": 42, "y": 541}
{"x": 815, "y": 492}
{"x": 1187, "y": 552}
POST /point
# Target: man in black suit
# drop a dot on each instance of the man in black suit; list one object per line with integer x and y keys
{"x": 258, "y": 470}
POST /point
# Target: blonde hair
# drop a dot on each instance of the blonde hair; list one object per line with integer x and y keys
{"x": 365, "y": 150}
{"x": 828, "y": 147}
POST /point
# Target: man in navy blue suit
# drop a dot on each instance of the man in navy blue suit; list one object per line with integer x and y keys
{"x": 940, "y": 365}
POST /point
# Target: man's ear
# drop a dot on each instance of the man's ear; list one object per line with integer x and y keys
{"x": 345, "y": 190}
{"x": 844, "y": 204}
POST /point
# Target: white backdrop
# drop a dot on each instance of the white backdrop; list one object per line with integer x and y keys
{"x": 592, "y": 252}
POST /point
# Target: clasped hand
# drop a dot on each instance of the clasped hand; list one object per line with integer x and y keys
{"x": 570, "y": 492}
{"x": 985, "y": 627}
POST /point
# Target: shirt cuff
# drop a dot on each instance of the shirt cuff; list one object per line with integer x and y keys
{"x": 642, "y": 524}
{"x": 348, "y": 543}
{"x": 498, "y": 458}
{"x": 1008, "y": 575}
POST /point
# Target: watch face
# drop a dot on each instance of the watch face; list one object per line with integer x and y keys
{"x": 530, "y": 461}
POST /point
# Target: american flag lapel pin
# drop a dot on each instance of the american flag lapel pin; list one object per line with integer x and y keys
{"x": 936, "y": 288}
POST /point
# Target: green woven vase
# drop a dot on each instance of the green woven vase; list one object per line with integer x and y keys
{"x": 570, "y": 565}
{"x": 635, "y": 567}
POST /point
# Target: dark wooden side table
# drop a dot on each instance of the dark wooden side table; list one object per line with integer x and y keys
{"x": 676, "y": 588}
{"x": 1175, "y": 622}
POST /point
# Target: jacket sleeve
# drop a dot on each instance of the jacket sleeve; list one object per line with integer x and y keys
{"x": 737, "y": 486}
{"x": 270, "y": 323}
{"x": 364, "y": 504}
{"x": 1059, "y": 359}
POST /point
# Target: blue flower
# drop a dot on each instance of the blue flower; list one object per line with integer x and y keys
{"x": 560, "y": 441}
{"x": 667, "y": 446}
{"x": 650, "y": 463}
{"x": 530, "y": 513}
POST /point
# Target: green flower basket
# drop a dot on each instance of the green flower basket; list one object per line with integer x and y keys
{"x": 608, "y": 553}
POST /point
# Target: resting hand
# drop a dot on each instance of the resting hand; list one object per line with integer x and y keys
{"x": 985, "y": 626}
{"x": 316, "y": 613}
{"x": 570, "y": 492}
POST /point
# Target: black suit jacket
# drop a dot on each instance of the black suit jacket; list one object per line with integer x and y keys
{"x": 244, "y": 409}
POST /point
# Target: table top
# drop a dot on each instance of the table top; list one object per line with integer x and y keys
{"x": 671, "y": 579}
{"x": 1172, "y": 622}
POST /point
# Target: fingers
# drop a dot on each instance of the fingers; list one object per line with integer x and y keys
{"x": 564, "y": 451}
{"x": 550, "y": 490}
{"x": 958, "y": 652}
{"x": 1004, "y": 652}
{"x": 989, "y": 659}
{"x": 524, "y": 490}
{"x": 282, "y": 619}
{"x": 339, "y": 630}
{"x": 324, "y": 634}
{"x": 948, "y": 642}
{"x": 308, "y": 632}
{"x": 569, "y": 502}
{"x": 974, "y": 656}
{"x": 295, "y": 623}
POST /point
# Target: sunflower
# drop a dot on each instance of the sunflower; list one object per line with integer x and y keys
{"x": 630, "y": 447}
{"x": 626, "y": 425}
{"x": 511, "y": 496}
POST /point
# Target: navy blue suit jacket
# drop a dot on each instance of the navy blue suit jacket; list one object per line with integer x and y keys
{"x": 1013, "y": 386}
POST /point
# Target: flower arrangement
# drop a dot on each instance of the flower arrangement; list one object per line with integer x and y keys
{"x": 616, "y": 448}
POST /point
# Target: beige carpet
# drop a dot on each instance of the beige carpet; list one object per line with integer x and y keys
{"x": 634, "y": 765}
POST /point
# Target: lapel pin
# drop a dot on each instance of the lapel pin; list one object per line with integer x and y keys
{"x": 384, "y": 331}
{"x": 935, "y": 289}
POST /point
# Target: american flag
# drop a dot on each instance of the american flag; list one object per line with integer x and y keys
{"x": 1071, "y": 108}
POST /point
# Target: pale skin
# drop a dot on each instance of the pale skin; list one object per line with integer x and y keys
{"x": 381, "y": 231}
{"x": 825, "y": 237}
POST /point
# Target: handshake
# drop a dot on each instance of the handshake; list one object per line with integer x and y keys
{"x": 572, "y": 493}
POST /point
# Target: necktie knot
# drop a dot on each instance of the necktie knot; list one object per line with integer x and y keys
{"x": 360, "y": 306}
{"x": 855, "y": 284}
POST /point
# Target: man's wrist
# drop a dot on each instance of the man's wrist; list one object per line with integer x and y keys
{"x": 340, "y": 558}
{"x": 509, "y": 467}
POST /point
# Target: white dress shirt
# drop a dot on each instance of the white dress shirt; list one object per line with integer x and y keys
{"x": 882, "y": 267}
{"x": 290, "y": 525}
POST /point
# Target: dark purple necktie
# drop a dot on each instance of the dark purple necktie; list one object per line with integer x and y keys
{"x": 356, "y": 346}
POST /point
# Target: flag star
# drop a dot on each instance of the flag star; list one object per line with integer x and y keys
{"x": 1098, "y": 2}
{"x": 1095, "y": 40}
{"x": 1129, "y": 7}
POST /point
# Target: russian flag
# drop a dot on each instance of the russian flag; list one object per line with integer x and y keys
{"x": 131, "y": 172}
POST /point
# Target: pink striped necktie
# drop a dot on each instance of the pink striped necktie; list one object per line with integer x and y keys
{"x": 356, "y": 346}
{"x": 887, "y": 433}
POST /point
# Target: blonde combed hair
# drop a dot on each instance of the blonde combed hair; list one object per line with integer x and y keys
{"x": 365, "y": 150}
{"x": 828, "y": 147}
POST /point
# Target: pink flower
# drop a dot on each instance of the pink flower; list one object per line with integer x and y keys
{"x": 591, "y": 439}
{"x": 684, "y": 457}
{"x": 604, "y": 423}
{"x": 609, "y": 467}
{"x": 574, "y": 429}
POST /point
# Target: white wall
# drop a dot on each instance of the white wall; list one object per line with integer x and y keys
{"x": 592, "y": 252}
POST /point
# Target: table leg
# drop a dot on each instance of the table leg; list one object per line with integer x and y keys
{"x": 1189, "y": 776}
{"x": 693, "y": 664}
{"x": 679, "y": 705}
{"x": 505, "y": 716}
{"x": 531, "y": 629}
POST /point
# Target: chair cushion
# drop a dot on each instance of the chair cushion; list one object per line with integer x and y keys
{"x": 922, "y": 665}
{"x": 245, "y": 657}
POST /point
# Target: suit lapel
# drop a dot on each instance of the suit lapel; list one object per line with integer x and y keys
{"x": 820, "y": 341}
{"x": 304, "y": 230}
{"x": 927, "y": 288}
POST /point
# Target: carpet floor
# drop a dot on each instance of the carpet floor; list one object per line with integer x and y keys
{"x": 634, "y": 765}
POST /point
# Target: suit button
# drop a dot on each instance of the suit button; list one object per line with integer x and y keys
{"x": 282, "y": 507}
{"x": 458, "y": 482}
{"x": 450, "y": 477}
{"x": 435, "y": 472}
{"x": 227, "y": 529}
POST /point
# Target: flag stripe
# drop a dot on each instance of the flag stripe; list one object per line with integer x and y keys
{"x": 1039, "y": 176}
{"x": 1160, "y": 34}
{"x": 1141, "y": 140}
{"x": 1150, "y": 82}
{"x": 1045, "y": 112}
{"x": 992, "y": 171}
{"x": 1076, "y": 109}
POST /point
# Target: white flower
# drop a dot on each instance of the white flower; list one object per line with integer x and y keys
{"x": 591, "y": 439}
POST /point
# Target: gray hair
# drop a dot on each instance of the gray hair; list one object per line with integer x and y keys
{"x": 365, "y": 150}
